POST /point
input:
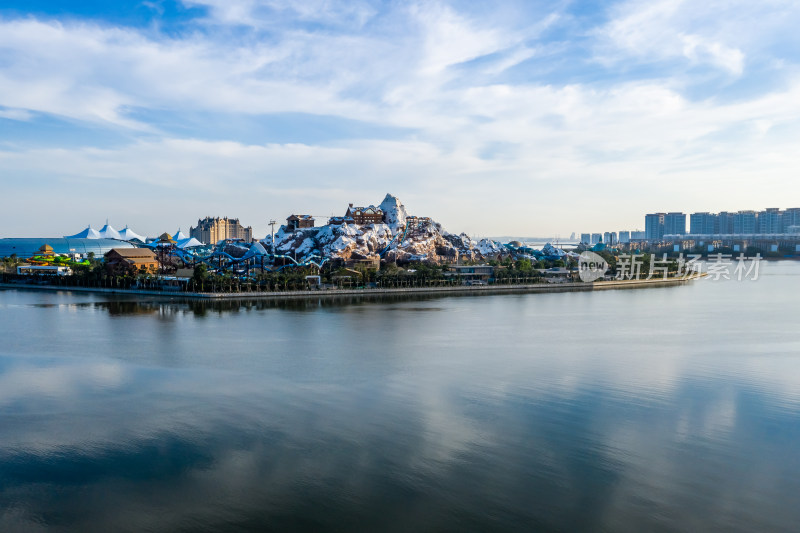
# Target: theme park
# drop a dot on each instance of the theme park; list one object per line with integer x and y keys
{"x": 368, "y": 247}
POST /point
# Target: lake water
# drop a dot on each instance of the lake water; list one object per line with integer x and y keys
{"x": 670, "y": 409}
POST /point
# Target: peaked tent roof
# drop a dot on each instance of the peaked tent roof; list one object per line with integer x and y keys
{"x": 129, "y": 235}
{"x": 88, "y": 233}
{"x": 189, "y": 243}
{"x": 179, "y": 235}
{"x": 107, "y": 232}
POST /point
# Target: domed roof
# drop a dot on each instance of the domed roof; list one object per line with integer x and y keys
{"x": 166, "y": 238}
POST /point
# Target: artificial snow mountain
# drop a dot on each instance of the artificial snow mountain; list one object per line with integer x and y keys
{"x": 400, "y": 237}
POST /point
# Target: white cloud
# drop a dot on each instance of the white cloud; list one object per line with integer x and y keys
{"x": 668, "y": 29}
{"x": 629, "y": 140}
{"x": 93, "y": 73}
{"x": 433, "y": 69}
{"x": 697, "y": 51}
{"x": 450, "y": 39}
{"x": 16, "y": 114}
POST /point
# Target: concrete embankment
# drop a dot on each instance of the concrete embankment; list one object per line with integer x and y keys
{"x": 460, "y": 290}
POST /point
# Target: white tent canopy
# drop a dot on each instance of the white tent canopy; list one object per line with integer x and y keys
{"x": 129, "y": 235}
{"x": 107, "y": 232}
{"x": 179, "y": 235}
{"x": 88, "y": 233}
{"x": 188, "y": 243}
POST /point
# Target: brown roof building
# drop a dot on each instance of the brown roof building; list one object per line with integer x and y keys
{"x": 296, "y": 222}
{"x": 365, "y": 215}
{"x": 46, "y": 249}
{"x": 127, "y": 259}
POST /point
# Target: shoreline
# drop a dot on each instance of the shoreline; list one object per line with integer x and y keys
{"x": 332, "y": 293}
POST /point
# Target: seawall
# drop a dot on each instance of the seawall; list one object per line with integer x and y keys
{"x": 460, "y": 290}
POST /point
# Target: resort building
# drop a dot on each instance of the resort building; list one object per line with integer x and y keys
{"x": 212, "y": 230}
{"x": 364, "y": 215}
{"x": 338, "y": 221}
{"x": 295, "y": 222}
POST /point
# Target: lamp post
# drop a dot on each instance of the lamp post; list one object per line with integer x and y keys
{"x": 272, "y": 233}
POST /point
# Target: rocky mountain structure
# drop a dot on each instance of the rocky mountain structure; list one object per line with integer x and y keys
{"x": 400, "y": 237}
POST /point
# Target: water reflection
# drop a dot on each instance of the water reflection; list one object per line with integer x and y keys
{"x": 173, "y": 450}
{"x": 624, "y": 411}
{"x": 200, "y": 308}
{"x": 120, "y": 305}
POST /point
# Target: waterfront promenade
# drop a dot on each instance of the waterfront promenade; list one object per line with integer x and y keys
{"x": 332, "y": 293}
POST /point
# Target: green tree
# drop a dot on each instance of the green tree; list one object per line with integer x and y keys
{"x": 524, "y": 265}
{"x": 200, "y": 274}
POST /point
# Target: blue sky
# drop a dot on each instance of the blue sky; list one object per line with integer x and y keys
{"x": 495, "y": 118}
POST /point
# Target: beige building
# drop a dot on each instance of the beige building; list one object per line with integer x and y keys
{"x": 211, "y": 230}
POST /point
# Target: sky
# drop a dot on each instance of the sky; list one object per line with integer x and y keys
{"x": 520, "y": 117}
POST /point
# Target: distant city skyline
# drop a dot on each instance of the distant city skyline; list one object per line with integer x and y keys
{"x": 515, "y": 117}
{"x": 772, "y": 220}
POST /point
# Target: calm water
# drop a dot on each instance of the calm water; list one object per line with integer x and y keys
{"x": 671, "y": 409}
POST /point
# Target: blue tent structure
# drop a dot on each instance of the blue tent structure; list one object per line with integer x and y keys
{"x": 28, "y": 247}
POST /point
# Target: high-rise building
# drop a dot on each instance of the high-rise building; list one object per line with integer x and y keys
{"x": 744, "y": 222}
{"x": 624, "y": 236}
{"x": 212, "y": 230}
{"x": 791, "y": 217}
{"x": 596, "y": 237}
{"x": 586, "y": 238}
{"x": 654, "y": 226}
{"x": 610, "y": 238}
{"x": 769, "y": 220}
{"x": 724, "y": 223}
{"x": 638, "y": 235}
{"x": 674, "y": 224}
{"x": 703, "y": 223}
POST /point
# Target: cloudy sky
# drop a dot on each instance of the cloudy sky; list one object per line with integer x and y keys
{"x": 495, "y": 118}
